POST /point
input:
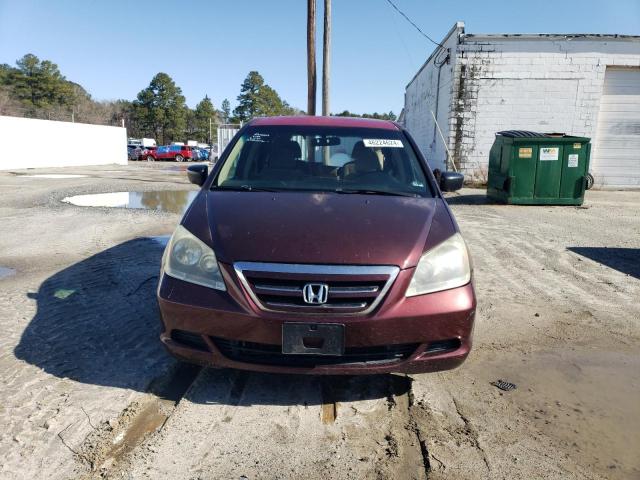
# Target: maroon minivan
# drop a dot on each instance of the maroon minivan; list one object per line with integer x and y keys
{"x": 319, "y": 245}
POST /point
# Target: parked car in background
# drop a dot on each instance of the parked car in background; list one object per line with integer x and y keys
{"x": 201, "y": 154}
{"x": 179, "y": 153}
{"x": 131, "y": 152}
{"x": 143, "y": 153}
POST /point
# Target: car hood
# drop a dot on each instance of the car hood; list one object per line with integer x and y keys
{"x": 320, "y": 228}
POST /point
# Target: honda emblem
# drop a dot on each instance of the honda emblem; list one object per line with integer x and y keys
{"x": 315, "y": 293}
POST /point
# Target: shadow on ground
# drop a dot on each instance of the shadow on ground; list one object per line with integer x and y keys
{"x": 467, "y": 199}
{"x": 625, "y": 260}
{"x": 97, "y": 322}
{"x": 240, "y": 388}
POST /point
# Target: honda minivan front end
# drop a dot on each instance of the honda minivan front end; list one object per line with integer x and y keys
{"x": 319, "y": 245}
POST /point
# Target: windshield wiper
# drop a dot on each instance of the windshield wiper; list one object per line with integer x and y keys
{"x": 369, "y": 191}
{"x": 246, "y": 188}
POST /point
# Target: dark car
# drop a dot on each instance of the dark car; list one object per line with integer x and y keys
{"x": 179, "y": 153}
{"x": 285, "y": 262}
{"x": 200, "y": 154}
{"x": 144, "y": 153}
{"x": 131, "y": 152}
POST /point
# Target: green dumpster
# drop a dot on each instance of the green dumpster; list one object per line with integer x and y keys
{"x": 530, "y": 168}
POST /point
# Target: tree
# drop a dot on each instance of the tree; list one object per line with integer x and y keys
{"x": 160, "y": 109}
{"x": 376, "y": 115}
{"x": 226, "y": 110}
{"x": 46, "y": 85}
{"x": 204, "y": 115}
{"x": 39, "y": 84}
{"x": 5, "y": 71}
{"x": 257, "y": 99}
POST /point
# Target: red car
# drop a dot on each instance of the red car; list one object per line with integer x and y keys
{"x": 144, "y": 153}
{"x": 291, "y": 259}
{"x": 179, "y": 153}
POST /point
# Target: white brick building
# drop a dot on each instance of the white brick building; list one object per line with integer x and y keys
{"x": 476, "y": 85}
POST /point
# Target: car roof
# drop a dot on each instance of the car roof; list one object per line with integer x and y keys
{"x": 317, "y": 121}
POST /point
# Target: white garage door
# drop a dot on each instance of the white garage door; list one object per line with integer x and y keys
{"x": 615, "y": 160}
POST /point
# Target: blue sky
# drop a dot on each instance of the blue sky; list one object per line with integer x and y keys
{"x": 113, "y": 48}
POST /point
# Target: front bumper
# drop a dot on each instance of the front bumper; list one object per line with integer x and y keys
{"x": 426, "y": 323}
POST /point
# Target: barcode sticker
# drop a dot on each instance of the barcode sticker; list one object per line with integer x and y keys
{"x": 382, "y": 143}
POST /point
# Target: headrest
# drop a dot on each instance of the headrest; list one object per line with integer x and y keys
{"x": 365, "y": 159}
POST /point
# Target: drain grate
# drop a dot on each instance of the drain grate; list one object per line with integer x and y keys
{"x": 504, "y": 385}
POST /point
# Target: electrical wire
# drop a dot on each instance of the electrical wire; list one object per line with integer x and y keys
{"x": 406, "y": 49}
{"x": 414, "y": 25}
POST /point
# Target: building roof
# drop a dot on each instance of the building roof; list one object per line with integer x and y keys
{"x": 459, "y": 27}
{"x": 317, "y": 121}
{"x": 550, "y": 36}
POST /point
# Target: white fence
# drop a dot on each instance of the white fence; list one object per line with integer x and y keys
{"x": 31, "y": 143}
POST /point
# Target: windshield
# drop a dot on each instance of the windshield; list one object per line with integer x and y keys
{"x": 343, "y": 160}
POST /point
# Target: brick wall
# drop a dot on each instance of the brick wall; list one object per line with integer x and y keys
{"x": 546, "y": 83}
{"x": 543, "y": 84}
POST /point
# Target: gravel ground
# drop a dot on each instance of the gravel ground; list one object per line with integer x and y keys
{"x": 86, "y": 391}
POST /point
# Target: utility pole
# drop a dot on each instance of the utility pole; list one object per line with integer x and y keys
{"x": 311, "y": 57}
{"x": 326, "y": 57}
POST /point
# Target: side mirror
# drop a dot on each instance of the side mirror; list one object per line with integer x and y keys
{"x": 197, "y": 174}
{"x": 451, "y": 181}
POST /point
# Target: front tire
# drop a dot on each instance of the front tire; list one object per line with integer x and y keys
{"x": 179, "y": 158}
{"x": 150, "y": 158}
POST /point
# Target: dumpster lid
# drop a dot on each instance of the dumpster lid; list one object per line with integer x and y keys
{"x": 523, "y": 134}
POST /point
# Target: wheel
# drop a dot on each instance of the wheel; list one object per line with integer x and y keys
{"x": 150, "y": 158}
{"x": 179, "y": 158}
{"x": 590, "y": 181}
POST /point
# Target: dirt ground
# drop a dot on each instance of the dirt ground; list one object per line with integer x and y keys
{"x": 86, "y": 390}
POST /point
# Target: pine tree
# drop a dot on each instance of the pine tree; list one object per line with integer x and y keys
{"x": 226, "y": 110}
{"x": 257, "y": 99}
{"x": 161, "y": 110}
{"x": 39, "y": 84}
{"x": 204, "y": 114}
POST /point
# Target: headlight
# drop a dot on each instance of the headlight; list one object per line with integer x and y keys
{"x": 188, "y": 258}
{"x": 441, "y": 268}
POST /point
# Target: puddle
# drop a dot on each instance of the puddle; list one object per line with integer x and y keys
{"x": 586, "y": 398}
{"x": 172, "y": 201}
{"x": 55, "y": 175}
{"x": 6, "y": 272}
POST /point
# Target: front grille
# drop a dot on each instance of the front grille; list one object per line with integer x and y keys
{"x": 351, "y": 289}
{"x": 264, "y": 354}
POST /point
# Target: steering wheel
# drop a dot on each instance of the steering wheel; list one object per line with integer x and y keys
{"x": 342, "y": 169}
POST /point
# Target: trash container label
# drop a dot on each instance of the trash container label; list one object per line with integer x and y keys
{"x": 549, "y": 153}
{"x": 573, "y": 160}
{"x": 525, "y": 152}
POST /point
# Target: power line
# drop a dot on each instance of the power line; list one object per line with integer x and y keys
{"x": 414, "y": 25}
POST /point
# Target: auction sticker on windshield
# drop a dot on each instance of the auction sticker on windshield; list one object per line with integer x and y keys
{"x": 382, "y": 142}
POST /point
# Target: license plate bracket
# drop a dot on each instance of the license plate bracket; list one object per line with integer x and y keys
{"x": 313, "y": 338}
